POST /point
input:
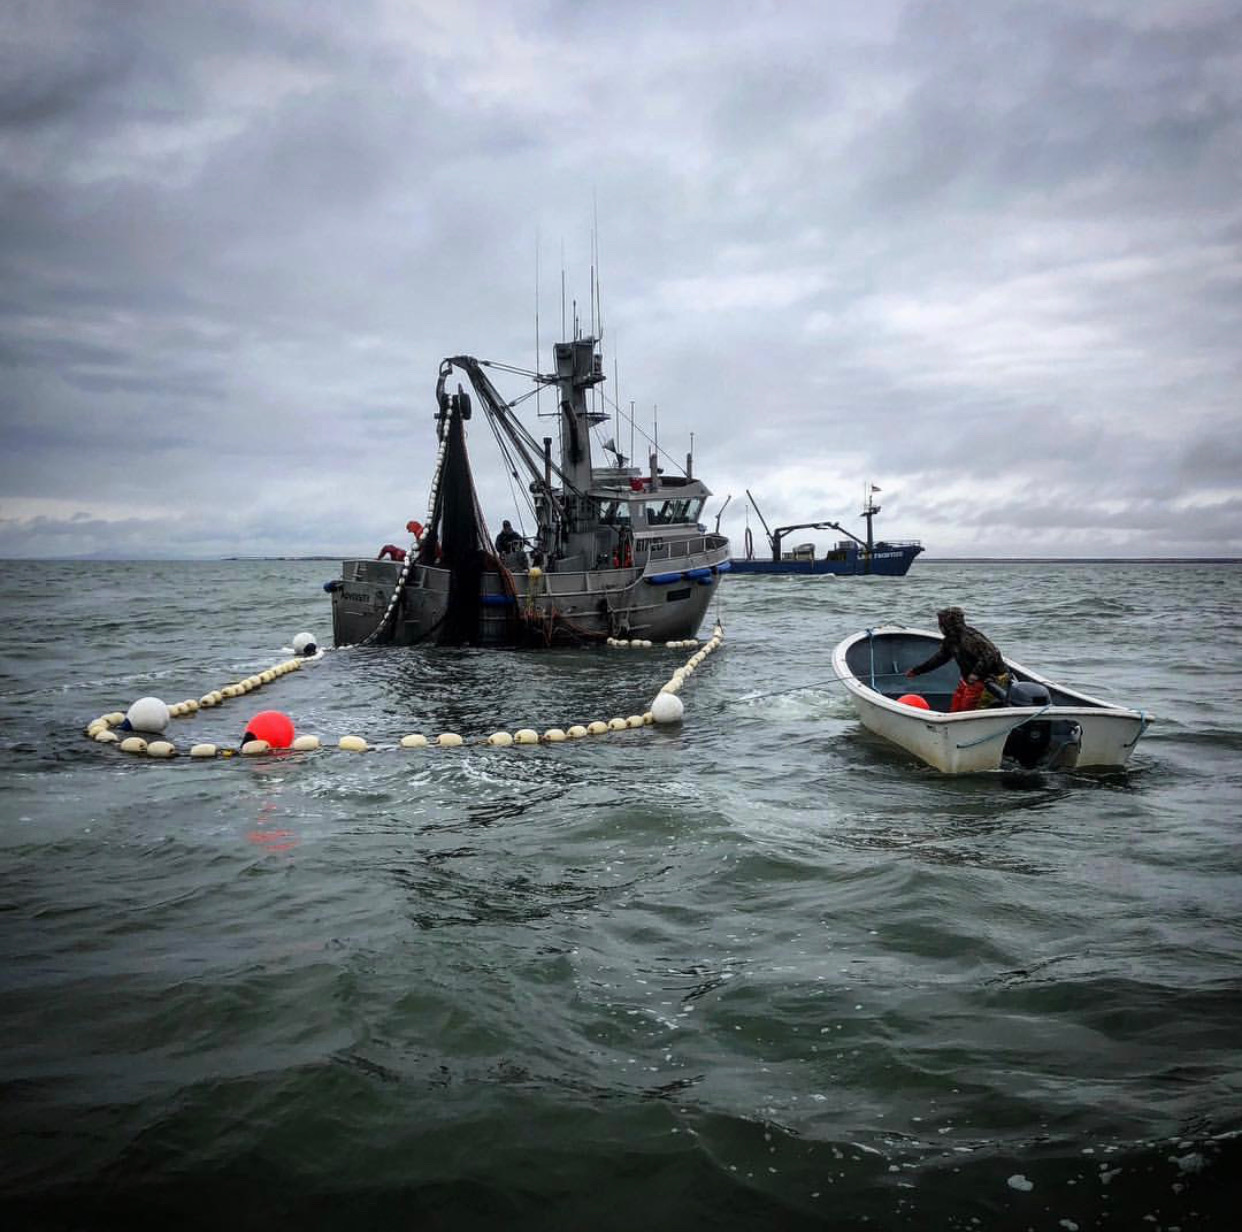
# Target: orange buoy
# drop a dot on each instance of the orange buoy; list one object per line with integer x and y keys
{"x": 270, "y": 725}
{"x": 913, "y": 699}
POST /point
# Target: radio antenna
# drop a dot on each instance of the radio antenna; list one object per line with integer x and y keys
{"x": 538, "y": 384}
{"x": 597, "y": 311}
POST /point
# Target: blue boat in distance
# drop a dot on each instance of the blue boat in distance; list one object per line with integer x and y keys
{"x": 851, "y": 555}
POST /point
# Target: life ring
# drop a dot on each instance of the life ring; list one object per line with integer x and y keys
{"x": 750, "y": 545}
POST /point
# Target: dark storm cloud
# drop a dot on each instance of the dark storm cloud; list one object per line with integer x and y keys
{"x": 987, "y": 256}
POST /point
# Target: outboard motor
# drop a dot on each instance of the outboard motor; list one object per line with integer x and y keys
{"x": 1027, "y": 693}
{"x": 1052, "y": 743}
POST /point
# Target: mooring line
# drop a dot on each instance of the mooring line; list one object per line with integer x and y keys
{"x": 814, "y": 684}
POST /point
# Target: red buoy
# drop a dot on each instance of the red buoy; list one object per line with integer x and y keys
{"x": 913, "y": 699}
{"x": 270, "y": 725}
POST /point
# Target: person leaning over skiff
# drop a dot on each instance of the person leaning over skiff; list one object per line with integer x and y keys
{"x": 977, "y": 659}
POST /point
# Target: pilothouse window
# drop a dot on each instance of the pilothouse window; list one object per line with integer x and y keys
{"x": 614, "y": 512}
{"x": 671, "y": 512}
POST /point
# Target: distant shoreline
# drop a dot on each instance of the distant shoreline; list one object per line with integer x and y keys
{"x": 1081, "y": 560}
{"x": 925, "y": 560}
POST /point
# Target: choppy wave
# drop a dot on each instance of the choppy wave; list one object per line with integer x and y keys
{"x": 761, "y": 970}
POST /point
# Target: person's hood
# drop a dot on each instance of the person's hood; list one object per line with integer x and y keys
{"x": 952, "y": 621}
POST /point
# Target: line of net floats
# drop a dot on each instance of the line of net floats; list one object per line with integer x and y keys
{"x": 272, "y": 731}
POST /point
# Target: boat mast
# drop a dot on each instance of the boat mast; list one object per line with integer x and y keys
{"x": 579, "y": 367}
{"x": 870, "y": 509}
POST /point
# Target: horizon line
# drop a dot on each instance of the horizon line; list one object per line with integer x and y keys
{"x": 331, "y": 556}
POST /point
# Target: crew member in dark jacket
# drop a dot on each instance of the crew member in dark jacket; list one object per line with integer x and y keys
{"x": 508, "y": 540}
{"x": 977, "y": 659}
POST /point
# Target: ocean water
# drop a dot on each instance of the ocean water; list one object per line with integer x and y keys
{"x": 757, "y": 971}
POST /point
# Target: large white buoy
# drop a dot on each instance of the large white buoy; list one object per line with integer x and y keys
{"x": 667, "y": 708}
{"x": 304, "y": 644}
{"x": 148, "y": 714}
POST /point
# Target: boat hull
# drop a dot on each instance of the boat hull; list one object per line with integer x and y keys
{"x": 361, "y": 597}
{"x": 883, "y": 562}
{"x": 664, "y": 601}
{"x": 871, "y": 665}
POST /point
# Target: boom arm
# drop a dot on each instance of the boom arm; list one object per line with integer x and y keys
{"x": 775, "y": 536}
{"x": 496, "y": 407}
{"x": 781, "y": 531}
{"x": 774, "y": 544}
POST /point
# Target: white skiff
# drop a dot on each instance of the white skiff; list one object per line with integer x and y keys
{"x": 1039, "y": 724}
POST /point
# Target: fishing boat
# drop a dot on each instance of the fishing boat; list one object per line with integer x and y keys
{"x": 615, "y": 551}
{"x": 1036, "y": 724}
{"x": 851, "y": 555}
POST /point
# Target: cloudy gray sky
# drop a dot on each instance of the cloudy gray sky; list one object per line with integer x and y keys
{"x": 986, "y": 255}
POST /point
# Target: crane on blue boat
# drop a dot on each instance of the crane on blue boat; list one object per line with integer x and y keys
{"x": 851, "y": 555}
